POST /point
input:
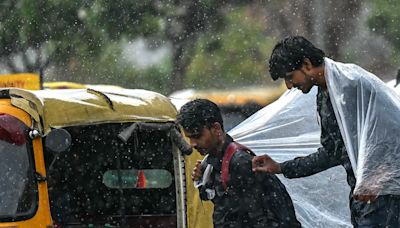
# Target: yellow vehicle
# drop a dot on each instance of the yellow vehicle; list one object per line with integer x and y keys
{"x": 21, "y": 80}
{"x": 63, "y": 85}
{"x": 92, "y": 158}
{"x": 236, "y": 104}
{"x": 74, "y": 85}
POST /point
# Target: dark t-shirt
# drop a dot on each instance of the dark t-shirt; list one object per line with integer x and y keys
{"x": 251, "y": 199}
{"x": 332, "y": 153}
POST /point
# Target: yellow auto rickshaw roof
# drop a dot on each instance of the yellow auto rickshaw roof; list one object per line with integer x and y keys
{"x": 71, "y": 107}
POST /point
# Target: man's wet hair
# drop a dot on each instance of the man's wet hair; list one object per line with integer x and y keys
{"x": 289, "y": 54}
{"x": 199, "y": 113}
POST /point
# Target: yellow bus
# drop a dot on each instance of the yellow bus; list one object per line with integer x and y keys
{"x": 74, "y": 85}
{"x": 22, "y": 80}
{"x": 236, "y": 104}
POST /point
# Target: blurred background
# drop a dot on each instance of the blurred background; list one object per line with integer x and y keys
{"x": 169, "y": 45}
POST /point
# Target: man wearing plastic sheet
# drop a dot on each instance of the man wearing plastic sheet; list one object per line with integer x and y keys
{"x": 360, "y": 128}
{"x": 245, "y": 199}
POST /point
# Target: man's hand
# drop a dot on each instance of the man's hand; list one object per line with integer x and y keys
{"x": 265, "y": 164}
{"x": 197, "y": 173}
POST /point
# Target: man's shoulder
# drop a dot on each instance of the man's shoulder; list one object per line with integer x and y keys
{"x": 243, "y": 154}
{"x": 239, "y": 147}
{"x": 241, "y": 162}
{"x": 241, "y": 158}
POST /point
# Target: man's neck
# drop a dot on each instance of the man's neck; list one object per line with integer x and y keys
{"x": 222, "y": 145}
{"x": 222, "y": 141}
{"x": 320, "y": 77}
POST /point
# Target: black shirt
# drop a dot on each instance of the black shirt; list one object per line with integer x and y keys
{"x": 251, "y": 200}
{"x": 332, "y": 153}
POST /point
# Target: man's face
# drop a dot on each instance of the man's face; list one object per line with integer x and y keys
{"x": 205, "y": 141}
{"x": 299, "y": 79}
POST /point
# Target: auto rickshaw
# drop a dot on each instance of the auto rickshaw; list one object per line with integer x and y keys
{"x": 95, "y": 158}
{"x": 236, "y": 104}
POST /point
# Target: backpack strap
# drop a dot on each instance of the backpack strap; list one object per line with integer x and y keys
{"x": 229, "y": 152}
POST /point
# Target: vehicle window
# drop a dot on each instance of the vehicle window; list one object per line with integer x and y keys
{"x": 231, "y": 119}
{"x": 18, "y": 189}
{"x": 140, "y": 179}
{"x": 83, "y": 182}
{"x": 233, "y": 115}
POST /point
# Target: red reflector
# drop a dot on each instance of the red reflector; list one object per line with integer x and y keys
{"x": 141, "y": 182}
{"x": 12, "y": 130}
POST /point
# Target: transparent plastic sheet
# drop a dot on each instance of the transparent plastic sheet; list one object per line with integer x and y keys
{"x": 368, "y": 114}
{"x": 289, "y": 128}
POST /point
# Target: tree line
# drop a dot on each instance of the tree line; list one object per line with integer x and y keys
{"x": 212, "y": 43}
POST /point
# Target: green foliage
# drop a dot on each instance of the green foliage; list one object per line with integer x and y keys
{"x": 384, "y": 19}
{"x": 155, "y": 78}
{"x": 81, "y": 40}
{"x": 122, "y": 18}
{"x": 109, "y": 69}
{"x": 62, "y": 30}
{"x": 234, "y": 56}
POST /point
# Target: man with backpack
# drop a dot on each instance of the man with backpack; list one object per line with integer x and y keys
{"x": 241, "y": 197}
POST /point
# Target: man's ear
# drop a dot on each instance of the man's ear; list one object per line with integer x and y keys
{"x": 307, "y": 64}
{"x": 217, "y": 126}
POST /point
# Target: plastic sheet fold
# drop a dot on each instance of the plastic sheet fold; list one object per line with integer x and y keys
{"x": 368, "y": 113}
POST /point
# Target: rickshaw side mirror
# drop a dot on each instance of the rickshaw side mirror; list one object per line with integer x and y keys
{"x": 180, "y": 142}
{"x": 58, "y": 140}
